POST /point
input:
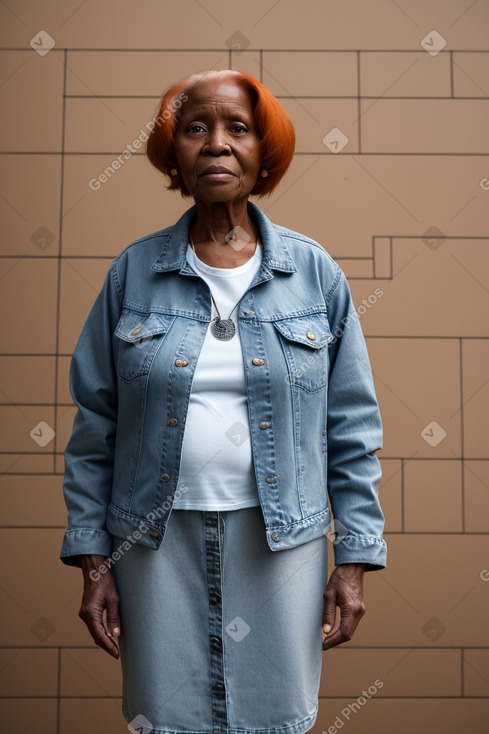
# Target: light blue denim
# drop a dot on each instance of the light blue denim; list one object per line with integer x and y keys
{"x": 218, "y": 633}
{"x": 313, "y": 413}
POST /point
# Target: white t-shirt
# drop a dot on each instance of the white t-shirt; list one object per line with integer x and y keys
{"x": 217, "y": 461}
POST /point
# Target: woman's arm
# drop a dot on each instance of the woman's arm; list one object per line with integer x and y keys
{"x": 89, "y": 454}
{"x": 354, "y": 434}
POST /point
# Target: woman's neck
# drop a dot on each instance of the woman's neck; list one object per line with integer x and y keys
{"x": 222, "y": 234}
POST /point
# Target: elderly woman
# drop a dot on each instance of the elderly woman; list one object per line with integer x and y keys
{"x": 224, "y": 393}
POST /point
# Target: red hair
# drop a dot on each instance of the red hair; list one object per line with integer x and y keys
{"x": 275, "y": 129}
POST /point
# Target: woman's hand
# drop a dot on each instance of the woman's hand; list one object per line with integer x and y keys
{"x": 344, "y": 590}
{"x": 100, "y": 604}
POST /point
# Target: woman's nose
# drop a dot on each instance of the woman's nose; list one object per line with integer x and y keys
{"x": 217, "y": 143}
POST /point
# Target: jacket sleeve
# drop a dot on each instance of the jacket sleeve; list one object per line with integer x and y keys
{"x": 354, "y": 434}
{"x": 89, "y": 453}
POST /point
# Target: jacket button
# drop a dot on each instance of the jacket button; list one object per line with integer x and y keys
{"x": 325, "y": 432}
{"x": 248, "y": 313}
{"x": 258, "y": 361}
{"x": 173, "y": 422}
{"x": 276, "y": 537}
{"x": 311, "y": 336}
{"x": 165, "y": 478}
{"x": 265, "y": 424}
{"x": 271, "y": 480}
{"x": 154, "y": 534}
{"x": 135, "y": 331}
{"x": 181, "y": 363}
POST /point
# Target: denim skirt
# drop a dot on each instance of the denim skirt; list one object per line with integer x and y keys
{"x": 220, "y": 634}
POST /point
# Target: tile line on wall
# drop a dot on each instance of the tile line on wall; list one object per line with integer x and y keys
{"x": 60, "y": 260}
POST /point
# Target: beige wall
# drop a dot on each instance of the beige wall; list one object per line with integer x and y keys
{"x": 403, "y": 207}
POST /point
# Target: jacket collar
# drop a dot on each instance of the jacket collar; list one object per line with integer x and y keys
{"x": 174, "y": 253}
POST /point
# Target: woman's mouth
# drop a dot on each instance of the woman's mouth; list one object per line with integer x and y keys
{"x": 217, "y": 173}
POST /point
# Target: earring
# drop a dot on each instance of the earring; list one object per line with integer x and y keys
{"x": 264, "y": 173}
{"x": 174, "y": 172}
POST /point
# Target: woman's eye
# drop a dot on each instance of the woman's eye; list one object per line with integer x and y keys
{"x": 196, "y": 128}
{"x": 239, "y": 128}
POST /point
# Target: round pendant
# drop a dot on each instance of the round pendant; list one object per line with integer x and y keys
{"x": 223, "y": 329}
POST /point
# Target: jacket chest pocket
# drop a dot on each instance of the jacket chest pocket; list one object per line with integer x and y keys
{"x": 140, "y": 337}
{"x": 304, "y": 343}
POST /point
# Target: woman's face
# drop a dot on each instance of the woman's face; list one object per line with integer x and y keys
{"x": 217, "y": 144}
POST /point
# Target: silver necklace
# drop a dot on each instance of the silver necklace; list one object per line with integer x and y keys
{"x": 222, "y": 329}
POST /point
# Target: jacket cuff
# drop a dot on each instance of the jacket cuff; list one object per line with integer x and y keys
{"x": 367, "y": 549}
{"x": 85, "y": 541}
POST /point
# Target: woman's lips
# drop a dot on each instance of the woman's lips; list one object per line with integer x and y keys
{"x": 218, "y": 176}
{"x": 217, "y": 173}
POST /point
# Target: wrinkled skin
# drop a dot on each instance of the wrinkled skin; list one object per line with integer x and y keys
{"x": 344, "y": 592}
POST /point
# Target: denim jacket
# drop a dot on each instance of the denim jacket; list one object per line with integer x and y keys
{"x": 313, "y": 412}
